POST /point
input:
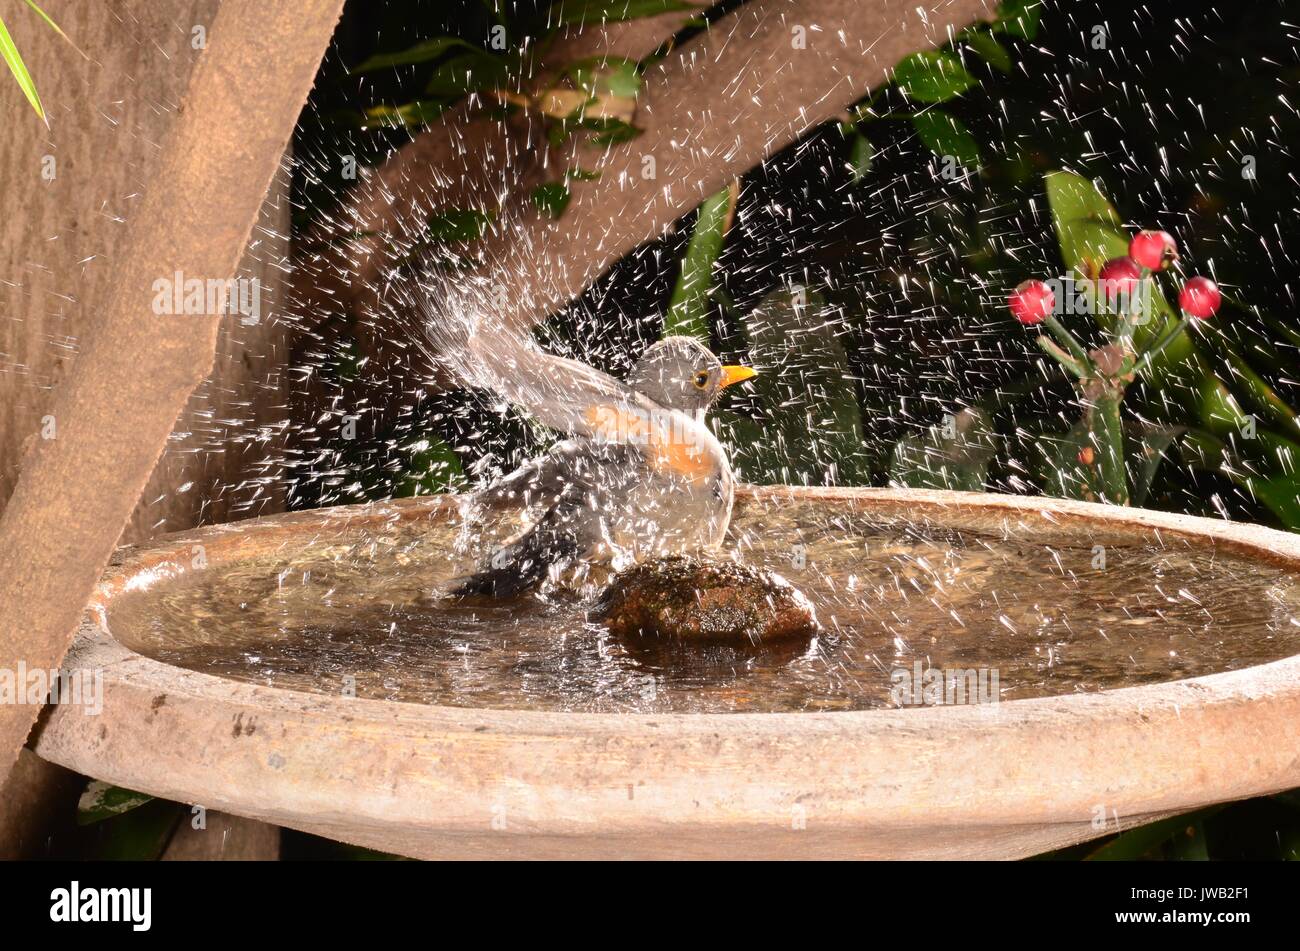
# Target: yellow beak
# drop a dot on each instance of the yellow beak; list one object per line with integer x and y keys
{"x": 736, "y": 374}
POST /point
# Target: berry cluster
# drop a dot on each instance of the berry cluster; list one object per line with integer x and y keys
{"x": 1150, "y": 251}
{"x": 1123, "y": 288}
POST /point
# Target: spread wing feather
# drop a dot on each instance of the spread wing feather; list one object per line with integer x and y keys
{"x": 566, "y": 395}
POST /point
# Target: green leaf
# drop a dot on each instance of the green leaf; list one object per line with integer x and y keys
{"x": 1090, "y": 233}
{"x": 100, "y": 801}
{"x": 19, "y": 69}
{"x": 1108, "y": 439}
{"x": 468, "y": 73}
{"x": 1282, "y": 496}
{"x": 610, "y": 131}
{"x": 1188, "y": 844}
{"x": 420, "y": 112}
{"x": 1219, "y": 410}
{"x": 1074, "y": 197}
{"x": 457, "y": 224}
{"x": 989, "y": 49}
{"x": 432, "y": 467}
{"x": 805, "y": 425}
{"x": 1066, "y": 464}
{"x": 46, "y": 17}
{"x": 1019, "y": 18}
{"x": 688, "y": 309}
{"x": 140, "y": 835}
{"x": 1087, "y": 224}
{"x": 552, "y": 198}
{"x": 570, "y": 12}
{"x": 421, "y": 52}
{"x": 1279, "y": 493}
{"x": 620, "y": 79}
{"x": 607, "y": 76}
{"x": 932, "y": 76}
{"x": 862, "y": 155}
{"x": 1138, "y": 842}
{"x": 946, "y": 136}
{"x": 1151, "y": 449}
{"x": 1253, "y": 386}
{"x": 953, "y": 455}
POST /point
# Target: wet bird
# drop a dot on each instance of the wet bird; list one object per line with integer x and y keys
{"x": 640, "y": 474}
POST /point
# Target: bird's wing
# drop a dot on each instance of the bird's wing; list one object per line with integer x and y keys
{"x": 564, "y": 394}
{"x": 482, "y": 353}
{"x": 541, "y": 480}
{"x": 576, "y": 473}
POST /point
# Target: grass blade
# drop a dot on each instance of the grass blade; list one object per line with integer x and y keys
{"x": 688, "y": 310}
{"x": 19, "y": 69}
{"x": 55, "y": 27}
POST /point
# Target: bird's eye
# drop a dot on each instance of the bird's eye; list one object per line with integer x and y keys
{"x": 702, "y": 379}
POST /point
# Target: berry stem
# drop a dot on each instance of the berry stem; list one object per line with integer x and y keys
{"x": 1061, "y": 357}
{"x": 1068, "y": 339}
{"x": 1128, "y": 318}
{"x": 1154, "y": 351}
{"x": 1108, "y": 431}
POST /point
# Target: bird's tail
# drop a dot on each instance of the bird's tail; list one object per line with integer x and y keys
{"x": 521, "y": 565}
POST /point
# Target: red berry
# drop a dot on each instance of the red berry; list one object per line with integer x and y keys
{"x": 1032, "y": 302}
{"x": 1119, "y": 276}
{"x": 1200, "y": 298}
{"x": 1153, "y": 249}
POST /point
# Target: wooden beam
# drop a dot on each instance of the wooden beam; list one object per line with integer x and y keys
{"x": 113, "y": 413}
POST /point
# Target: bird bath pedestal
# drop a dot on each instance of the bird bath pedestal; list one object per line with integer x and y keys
{"x": 997, "y": 780}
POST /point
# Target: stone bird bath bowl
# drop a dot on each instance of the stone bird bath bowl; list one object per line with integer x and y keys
{"x": 835, "y": 779}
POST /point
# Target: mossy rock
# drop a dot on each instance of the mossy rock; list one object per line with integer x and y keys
{"x": 690, "y": 600}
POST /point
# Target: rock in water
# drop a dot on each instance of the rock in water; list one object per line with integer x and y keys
{"x": 689, "y": 600}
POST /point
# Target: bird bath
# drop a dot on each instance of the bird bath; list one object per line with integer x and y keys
{"x": 295, "y": 669}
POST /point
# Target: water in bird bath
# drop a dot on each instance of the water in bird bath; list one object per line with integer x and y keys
{"x": 1030, "y": 613}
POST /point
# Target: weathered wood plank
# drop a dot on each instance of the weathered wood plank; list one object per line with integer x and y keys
{"x": 136, "y": 369}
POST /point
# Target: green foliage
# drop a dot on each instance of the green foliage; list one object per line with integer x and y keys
{"x": 952, "y": 455}
{"x": 418, "y": 113}
{"x": 472, "y": 72}
{"x": 986, "y": 45}
{"x": 606, "y": 76}
{"x": 862, "y": 156}
{"x": 932, "y": 76}
{"x": 945, "y": 135}
{"x": 1183, "y": 835}
{"x": 100, "y": 801}
{"x": 806, "y": 425}
{"x": 552, "y": 198}
{"x": 1147, "y": 451}
{"x": 457, "y": 224}
{"x": 1089, "y": 230}
{"x": 421, "y": 52}
{"x": 430, "y": 467}
{"x": 122, "y": 825}
{"x": 688, "y": 310}
{"x": 1019, "y": 18}
{"x": 14, "y": 61}
{"x": 938, "y": 76}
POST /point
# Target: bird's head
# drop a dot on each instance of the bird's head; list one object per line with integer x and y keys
{"x": 680, "y": 373}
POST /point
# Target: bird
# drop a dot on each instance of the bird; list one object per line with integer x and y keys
{"x": 638, "y": 475}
